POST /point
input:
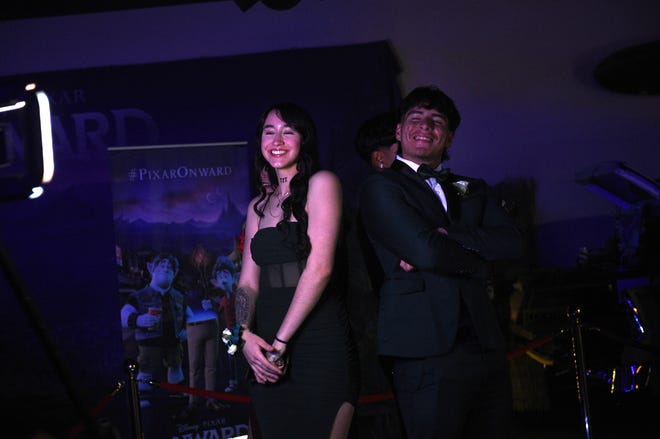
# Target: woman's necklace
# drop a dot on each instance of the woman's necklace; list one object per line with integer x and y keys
{"x": 281, "y": 198}
{"x": 274, "y": 208}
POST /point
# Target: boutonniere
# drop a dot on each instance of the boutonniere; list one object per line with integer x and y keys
{"x": 462, "y": 187}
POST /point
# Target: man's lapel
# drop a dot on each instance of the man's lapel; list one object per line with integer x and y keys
{"x": 428, "y": 200}
{"x": 453, "y": 199}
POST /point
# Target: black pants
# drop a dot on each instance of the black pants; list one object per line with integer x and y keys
{"x": 464, "y": 394}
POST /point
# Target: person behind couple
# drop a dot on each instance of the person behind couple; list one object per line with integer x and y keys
{"x": 296, "y": 336}
{"x": 376, "y": 143}
{"x": 436, "y": 324}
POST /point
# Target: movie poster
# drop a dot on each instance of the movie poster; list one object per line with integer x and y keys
{"x": 178, "y": 214}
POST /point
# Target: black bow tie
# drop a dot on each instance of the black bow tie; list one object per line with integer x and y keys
{"x": 425, "y": 171}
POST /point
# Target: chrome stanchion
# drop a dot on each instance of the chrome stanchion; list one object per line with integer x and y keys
{"x": 577, "y": 347}
{"x": 134, "y": 398}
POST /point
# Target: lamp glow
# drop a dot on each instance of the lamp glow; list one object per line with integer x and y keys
{"x": 46, "y": 137}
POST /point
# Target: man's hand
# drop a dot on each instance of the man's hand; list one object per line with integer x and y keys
{"x": 147, "y": 321}
{"x": 406, "y": 266}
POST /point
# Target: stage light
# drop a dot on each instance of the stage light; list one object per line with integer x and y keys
{"x": 621, "y": 185}
{"x": 26, "y": 142}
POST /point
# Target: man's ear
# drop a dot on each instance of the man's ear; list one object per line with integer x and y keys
{"x": 397, "y": 133}
{"x": 450, "y": 140}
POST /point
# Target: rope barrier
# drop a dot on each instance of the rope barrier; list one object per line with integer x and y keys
{"x": 526, "y": 349}
{"x": 77, "y": 429}
{"x": 364, "y": 399}
{"x": 529, "y": 346}
{"x": 201, "y": 392}
{"x": 105, "y": 401}
{"x": 231, "y": 397}
{"x": 243, "y": 399}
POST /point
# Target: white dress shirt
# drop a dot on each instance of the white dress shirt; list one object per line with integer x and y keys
{"x": 432, "y": 182}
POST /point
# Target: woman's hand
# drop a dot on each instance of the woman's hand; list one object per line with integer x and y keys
{"x": 278, "y": 357}
{"x": 254, "y": 351}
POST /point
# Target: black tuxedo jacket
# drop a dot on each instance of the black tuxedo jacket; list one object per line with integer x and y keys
{"x": 419, "y": 310}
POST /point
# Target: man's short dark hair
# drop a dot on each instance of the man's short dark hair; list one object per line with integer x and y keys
{"x": 223, "y": 263}
{"x": 431, "y": 97}
{"x": 174, "y": 261}
{"x": 377, "y": 132}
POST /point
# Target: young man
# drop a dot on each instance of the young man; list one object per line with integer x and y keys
{"x": 435, "y": 234}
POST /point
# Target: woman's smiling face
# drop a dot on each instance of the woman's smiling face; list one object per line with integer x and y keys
{"x": 280, "y": 143}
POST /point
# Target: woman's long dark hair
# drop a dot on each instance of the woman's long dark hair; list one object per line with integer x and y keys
{"x": 307, "y": 165}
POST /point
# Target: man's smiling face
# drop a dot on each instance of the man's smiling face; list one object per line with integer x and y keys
{"x": 424, "y": 135}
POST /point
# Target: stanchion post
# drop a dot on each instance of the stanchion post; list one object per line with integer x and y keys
{"x": 134, "y": 398}
{"x": 577, "y": 347}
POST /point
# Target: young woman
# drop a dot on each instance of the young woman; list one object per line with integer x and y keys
{"x": 295, "y": 332}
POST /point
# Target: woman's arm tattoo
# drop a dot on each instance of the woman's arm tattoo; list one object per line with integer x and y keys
{"x": 244, "y": 307}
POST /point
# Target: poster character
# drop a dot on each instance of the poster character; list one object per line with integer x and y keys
{"x": 158, "y": 313}
{"x": 223, "y": 278}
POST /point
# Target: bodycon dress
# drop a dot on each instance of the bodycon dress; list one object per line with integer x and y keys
{"x": 322, "y": 372}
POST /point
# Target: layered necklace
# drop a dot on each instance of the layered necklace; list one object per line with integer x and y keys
{"x": 280, "y": 197}
{"x": 274, "y": 207}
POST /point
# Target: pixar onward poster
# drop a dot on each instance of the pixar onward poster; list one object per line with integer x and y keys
{"x": 178, "y": 214}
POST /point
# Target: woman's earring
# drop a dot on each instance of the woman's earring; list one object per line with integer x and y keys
{"x": 381, "y": 165}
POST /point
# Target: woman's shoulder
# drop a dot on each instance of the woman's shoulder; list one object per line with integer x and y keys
{"x": 255, "y": 201}
{"x": 325, "y": 189}
{"x": 323, "y": 178}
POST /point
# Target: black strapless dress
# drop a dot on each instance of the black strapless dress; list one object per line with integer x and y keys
{"x": 323, "y": 371}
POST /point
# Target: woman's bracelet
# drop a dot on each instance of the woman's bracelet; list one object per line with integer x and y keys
{"x": 280, "y": 340}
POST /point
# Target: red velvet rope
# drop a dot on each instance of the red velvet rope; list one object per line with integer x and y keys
{"x": 364, "y": 399}
{"x": 201, "y": 392}
{"x": 96, "y": 411}
{"x": 528, "y": 347}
